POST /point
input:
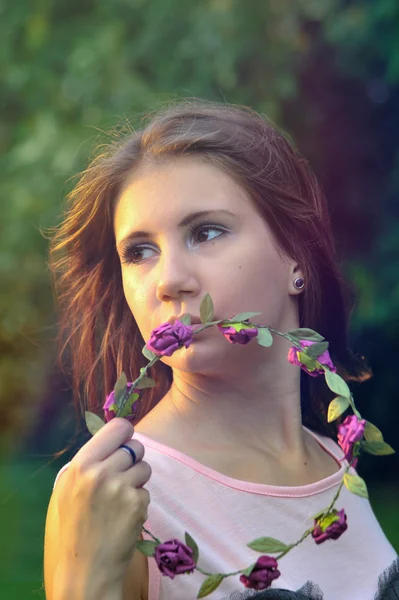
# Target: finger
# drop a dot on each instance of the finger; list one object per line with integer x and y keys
{"x": 121, "y": 460}
{"x": 104, "y": 442}
{"x": 137, "y": 476}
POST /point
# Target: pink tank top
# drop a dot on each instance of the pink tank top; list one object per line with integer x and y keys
{"x": 223, "y": 514}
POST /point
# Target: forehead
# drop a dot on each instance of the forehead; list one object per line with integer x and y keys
{"x": 173, "y": 188}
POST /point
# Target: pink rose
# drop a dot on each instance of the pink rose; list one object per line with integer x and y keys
{"x": 168, "y": 338}
{"x": 330, "y": 527}
{"x": 263, "y": 574}
{"x": 110, "y": 412}
{"x": 238, "y": 333}
{"x": 324, "y": 359}
{"x": 174, "y": 558}
{"x": 349, "y": 433}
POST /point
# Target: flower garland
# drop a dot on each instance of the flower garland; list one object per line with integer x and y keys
{"x": 309, "y": 351}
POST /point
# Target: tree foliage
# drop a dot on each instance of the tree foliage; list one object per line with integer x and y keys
{"x": 72, "y": 70}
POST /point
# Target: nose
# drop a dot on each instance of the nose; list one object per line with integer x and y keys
{"x": 177, "y": 277}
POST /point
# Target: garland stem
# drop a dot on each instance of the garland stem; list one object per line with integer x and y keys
{"x": 143, "y": 373}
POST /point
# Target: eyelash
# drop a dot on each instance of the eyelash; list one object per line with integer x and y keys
{"x": 128, "y": 252}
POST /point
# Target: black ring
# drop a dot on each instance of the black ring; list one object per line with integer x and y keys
{"x": 131, "y": 452}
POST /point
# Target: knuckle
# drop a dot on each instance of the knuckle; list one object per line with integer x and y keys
{"x": 147, "y": 468}
{"x": 132, "y": 503}
{"x": 145, "y": 500}
{"x": 142, "y": 510}
{"x": 77, "y": 467}
{"x": 94, "y": 475}
{"x": 115, "y": 489}
{"x": 144, "y": 516}
{"x": 145, "y": 494}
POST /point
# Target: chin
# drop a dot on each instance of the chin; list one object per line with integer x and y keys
{"x": 191, "y": 359}
{"x": 208, "y": 356}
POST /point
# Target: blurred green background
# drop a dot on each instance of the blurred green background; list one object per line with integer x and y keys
{"x": 327, "y": 71}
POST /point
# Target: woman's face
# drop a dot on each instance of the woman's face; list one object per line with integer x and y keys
{"x": 185, "y": 228}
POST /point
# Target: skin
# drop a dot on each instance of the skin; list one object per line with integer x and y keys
{"x": 235, "y": 400}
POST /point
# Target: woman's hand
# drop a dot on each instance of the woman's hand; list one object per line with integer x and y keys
{"x": 102, "y": 506}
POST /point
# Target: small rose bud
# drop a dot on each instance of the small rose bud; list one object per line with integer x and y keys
{"x": 262, "y": 575}
{"x": 330, "y": 527}
{"x": 238, "y": 333}
{"x": 173, "y": 557}
{"x": 350, "y": 432}
{"x": 294, "y": 357}
{"x": 110, "y": 407}
{"x": 169, "y": 337}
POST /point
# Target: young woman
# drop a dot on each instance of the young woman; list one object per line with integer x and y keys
{"x": 206, "y": 199}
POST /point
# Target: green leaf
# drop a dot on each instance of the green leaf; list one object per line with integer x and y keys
{"x": 148, "y": 354}
{"x": 294, "y": 340}
{"x": 336, "y": 384}
{"x": 267, "y": 544}
{"x": 377, "y": 448}
{"x": 372, "y": 433}
{"x": 248, "y": 570}
{"x": 355, "y": 411}
{"x": 93, "y": 422}
{"x": 185, "y": 319}
{"x": 209, "y": 585}
{"x": 306, "y": 334}
{"x": 191, "y": 544}
{"x": 316, "y": 349}
{"x": 319, "y": 514}
{"x": 264, "y": 337}
{"x": 120, "y": 388}
{"x": 329, "y": 519}
{"x": 127, "y": 409}
{"x": 236, "y": 326}
{"x": 337, "y": 407}
{"x": 144, "y": 383}
{"x": 146, "y": 547}
{"x": 244, "y": 316}
{"x": 356, "y": 485}
{"x": 308, "y": 361}
{"x": 206, "y": 309}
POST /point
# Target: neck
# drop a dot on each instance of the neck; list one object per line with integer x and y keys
{"x": 256, "y": 410}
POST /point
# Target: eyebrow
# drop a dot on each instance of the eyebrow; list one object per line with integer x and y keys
{"x": 184, "y": 223}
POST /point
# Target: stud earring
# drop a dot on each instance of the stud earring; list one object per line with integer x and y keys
{"x": 299, "y": 283}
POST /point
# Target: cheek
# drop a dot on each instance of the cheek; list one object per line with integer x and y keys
{"x": 255, "y": 264}
{"x": 255, "y": 278}
{"x": 138, "y": 300}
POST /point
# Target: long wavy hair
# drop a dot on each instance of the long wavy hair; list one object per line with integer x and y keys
{"x": 98, "y": 335}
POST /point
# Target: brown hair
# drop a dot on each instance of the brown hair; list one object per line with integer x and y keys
{"x": 95, "y": 321}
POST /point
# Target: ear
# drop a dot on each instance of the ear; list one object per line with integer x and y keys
{"x": 295, "y": 272}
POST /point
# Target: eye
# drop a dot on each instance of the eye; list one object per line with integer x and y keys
{"x": 135, "y": 253}
{"x": 200, "y": 233}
